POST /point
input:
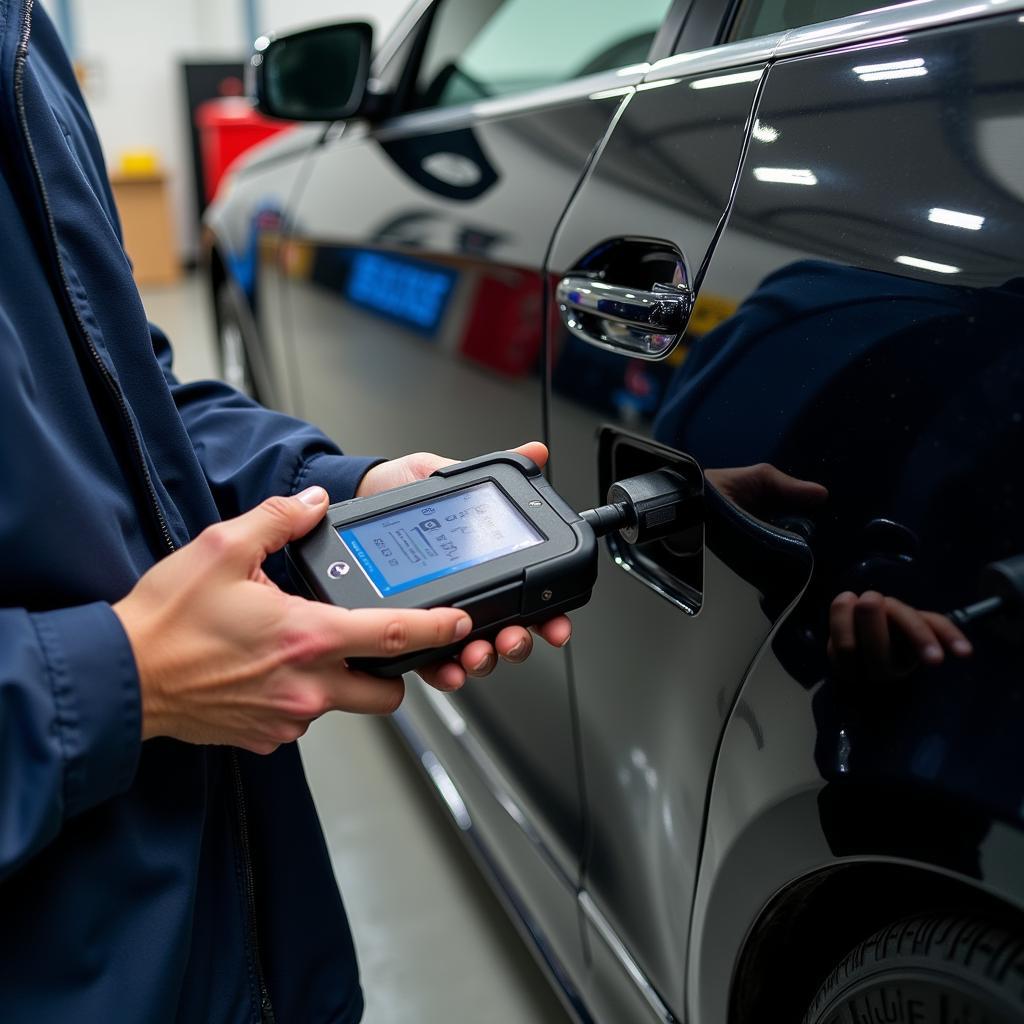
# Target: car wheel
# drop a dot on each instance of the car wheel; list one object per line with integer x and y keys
{"x": 927, "y": 970}
{"x": 233, "y": 359}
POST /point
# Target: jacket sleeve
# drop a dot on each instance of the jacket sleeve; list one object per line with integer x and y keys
{"x": 70, "y": 721}
{"x": 248, "y": 452}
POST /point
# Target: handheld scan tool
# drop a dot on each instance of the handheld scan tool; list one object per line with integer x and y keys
{"x": 489, "y": 536}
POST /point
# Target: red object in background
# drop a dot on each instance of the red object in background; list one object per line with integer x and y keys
{"x": 504, "y": 329}
{"x": 228, "y": 126}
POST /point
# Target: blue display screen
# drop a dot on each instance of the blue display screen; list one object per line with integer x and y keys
{"x": 402, "y": 289}
{"x": 420, "y": 543}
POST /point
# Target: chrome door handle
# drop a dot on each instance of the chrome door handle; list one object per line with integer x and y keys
{"x": 647, "y": 324}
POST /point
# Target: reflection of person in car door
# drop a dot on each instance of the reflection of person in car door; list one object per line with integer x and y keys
{"x": 854, "y": 378}
{"x": 869, "y": 635}
{"x": 151, "y": 868}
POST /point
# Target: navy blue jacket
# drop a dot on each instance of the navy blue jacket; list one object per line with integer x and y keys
{"x": 138, "y": 882}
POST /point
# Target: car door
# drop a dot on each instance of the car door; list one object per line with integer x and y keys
{"x": 646, "y": 217}
{"x": 414, "y": 293}
{"x": 660, "y": 653}
{"x": 876, "y": 253}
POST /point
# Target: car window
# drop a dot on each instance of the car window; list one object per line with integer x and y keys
{"x": 477, "y": 49}
{"x": 763, "y": 17}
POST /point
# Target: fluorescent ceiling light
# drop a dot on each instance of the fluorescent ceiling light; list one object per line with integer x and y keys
{"x": 786, "y": 175}
{"x": 734, "y": 79}
{"x": 644, "y": 86}
{"x": 893, "y": 65}
{"x": 956, "y": 219}
{"x": 831, "y": 30}
{"x": 604, "y": 94}
{"x": 912, "y": 68}
{"x": 885, "y": 76}
{"x": 764, "y": 132}
{"x": 938, "y": 268}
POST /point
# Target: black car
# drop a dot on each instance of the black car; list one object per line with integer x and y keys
{"x": 784, "y": 256}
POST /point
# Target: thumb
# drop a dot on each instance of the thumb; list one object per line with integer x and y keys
{"x": 276, "y": 521}
{"x": 534, "y": 451}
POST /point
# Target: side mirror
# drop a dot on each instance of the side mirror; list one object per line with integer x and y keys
{"x": 317, "y": 74}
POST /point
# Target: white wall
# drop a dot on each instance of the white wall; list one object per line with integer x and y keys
{"x": 131, "y": 51}
{"x": 280, "y": 14}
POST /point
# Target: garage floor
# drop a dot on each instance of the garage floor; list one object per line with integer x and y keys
{"x": 434, "y": 945}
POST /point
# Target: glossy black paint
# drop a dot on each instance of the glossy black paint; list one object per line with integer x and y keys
{"x": 651, "y": 706}
{"x": 739, "y": 806}
{"x": 903, "y": 395}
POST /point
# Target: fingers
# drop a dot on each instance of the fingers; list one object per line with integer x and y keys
{"x": 446, "y": 676}
{"x": 514, "y": 644}
{"x": 882, "y": 637}
{"x": 783, "y": 485}
{"x": 363, "y": 694}
{"x": 556, "y": 631}
{"x": 535, "y": 452}
{"x": 764, "y": 489}
{"x": 930, "y": 633}
{"x": 772, "y": 490}
{"x": 478, "y": 659}
{"x": 871, "y": 627}
{"x": 248, "y": 539}
{"x": 949, "y": 634}
{"x": 916, "y": 630}
{"x": 386, "y": 633}
{"x": 842, "y": 638}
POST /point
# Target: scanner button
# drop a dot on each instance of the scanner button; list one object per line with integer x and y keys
{"x": 494, "y": 606}
{"x": 337, "y": 569}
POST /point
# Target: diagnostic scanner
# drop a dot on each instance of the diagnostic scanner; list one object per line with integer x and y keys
{"x": 490, "y": 536}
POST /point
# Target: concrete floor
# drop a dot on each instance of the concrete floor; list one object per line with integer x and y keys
{"x": 434, "y": 945}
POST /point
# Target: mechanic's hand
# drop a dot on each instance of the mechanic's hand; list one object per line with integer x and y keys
{"x": 513, "y": 643}
{"x": 766, "y": 491}
{"x": 224, "y": 656}
{"x": 877, "y": 638}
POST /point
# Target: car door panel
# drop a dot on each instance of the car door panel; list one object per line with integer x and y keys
{"x": 654, "y": 677}
{"x": 878, "y": 351}
{"x": 859, "y": 333}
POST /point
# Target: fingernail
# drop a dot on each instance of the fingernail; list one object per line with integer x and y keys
{"x": 485, "y": 666}
{"x": 933, "y": 653}
{"x": 312, "y": 496}
{"x": 962, "y": 647}
{"x": 518, "y": 651}
{"x": 565, "y": 642}
{"x": 462, "y": 627}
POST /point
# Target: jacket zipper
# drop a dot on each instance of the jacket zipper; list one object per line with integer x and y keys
{"x": 20, "y": 61}
{"x": 266, "y": 1009}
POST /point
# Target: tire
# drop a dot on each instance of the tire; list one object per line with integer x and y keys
{"x": 927, "y": 970}
{"x": 232, "y": 357}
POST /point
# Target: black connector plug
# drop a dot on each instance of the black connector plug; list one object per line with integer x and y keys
{"x": 646, "y": 507}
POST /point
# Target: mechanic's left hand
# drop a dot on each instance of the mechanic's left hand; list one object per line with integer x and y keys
{"x": 513, "y": 643}
{"x": 875, "y": 638}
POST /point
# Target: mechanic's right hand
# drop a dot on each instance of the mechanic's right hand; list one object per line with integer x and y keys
{"x": 224, "y": 656}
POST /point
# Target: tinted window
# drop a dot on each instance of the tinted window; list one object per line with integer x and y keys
{"x": 482, "y": 48}
{"x": 763, "y": 17}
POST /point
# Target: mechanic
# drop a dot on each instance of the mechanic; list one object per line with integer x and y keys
{"x": 152, "y": 867}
